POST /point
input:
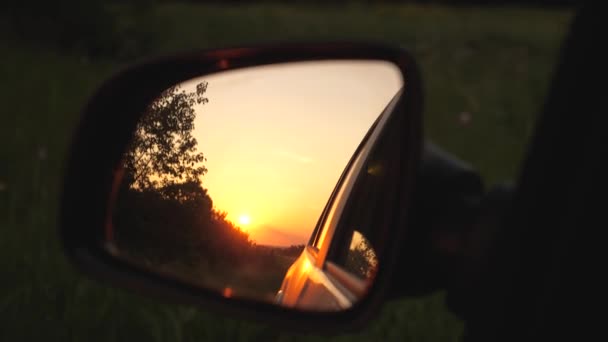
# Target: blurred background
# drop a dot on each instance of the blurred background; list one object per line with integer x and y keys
{"x": 486, "y": 66}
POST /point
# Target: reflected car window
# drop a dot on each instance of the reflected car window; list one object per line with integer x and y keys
{"x": 356, "y": 250}
{"x": 361, "y": 259}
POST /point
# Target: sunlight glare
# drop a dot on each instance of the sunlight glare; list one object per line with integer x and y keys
{"x": 244, "y": 220}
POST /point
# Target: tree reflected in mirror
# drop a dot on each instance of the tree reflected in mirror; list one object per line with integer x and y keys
{"x": 165, "y": 220}
{"x": 361, "y": 258}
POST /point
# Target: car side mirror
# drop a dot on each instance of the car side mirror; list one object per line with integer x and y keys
{"x": 204, "y": 178}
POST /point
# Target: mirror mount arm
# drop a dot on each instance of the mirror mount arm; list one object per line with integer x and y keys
{"x": 445, "y": 203}
{"x": 471, "y": 266}
{"x": 454, "y": 225}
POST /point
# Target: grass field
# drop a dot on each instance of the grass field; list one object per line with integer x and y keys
{"x": 493, "y": 64}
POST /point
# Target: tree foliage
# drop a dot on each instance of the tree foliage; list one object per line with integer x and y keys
{"x": 163, "y": 151}
{"x": 164, "y": 213}
{"x": 362, "y": 260}
{"x": 164, "y": 218}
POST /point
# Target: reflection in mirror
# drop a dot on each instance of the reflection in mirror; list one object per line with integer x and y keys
{"x": 361, "y": 259}
{"x": 227, "y": 174}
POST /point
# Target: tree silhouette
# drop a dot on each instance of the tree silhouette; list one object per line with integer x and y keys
{"x": 164, "y": 218}
{"x": 163, "y": 213}
{"x": 362, "y": 260}
{"x": 163, "y": 151}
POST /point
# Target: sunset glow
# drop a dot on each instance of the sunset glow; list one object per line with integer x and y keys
{"x": 277, "y": 138}
{"x": 244, "y": 220}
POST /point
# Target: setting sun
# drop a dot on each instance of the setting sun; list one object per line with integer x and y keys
{"x": 244, "y": 220}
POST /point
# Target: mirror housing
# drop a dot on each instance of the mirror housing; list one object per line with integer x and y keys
{"x": 106, "y": 127}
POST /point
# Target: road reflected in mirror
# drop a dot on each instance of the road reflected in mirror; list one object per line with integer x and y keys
{"x": 227, "y": 175}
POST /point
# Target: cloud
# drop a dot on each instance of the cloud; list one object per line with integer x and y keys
{"x": 294, "y": 157}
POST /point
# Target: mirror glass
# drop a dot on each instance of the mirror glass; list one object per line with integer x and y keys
{"x": 227, "y": 175}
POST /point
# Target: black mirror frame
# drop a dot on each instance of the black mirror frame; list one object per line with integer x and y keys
{"x": 106, "y": 126}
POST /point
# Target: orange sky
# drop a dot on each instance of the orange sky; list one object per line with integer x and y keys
{"x": 277, "y": 138}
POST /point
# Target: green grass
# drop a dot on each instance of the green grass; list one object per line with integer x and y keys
{"x": 492, "y": 63}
